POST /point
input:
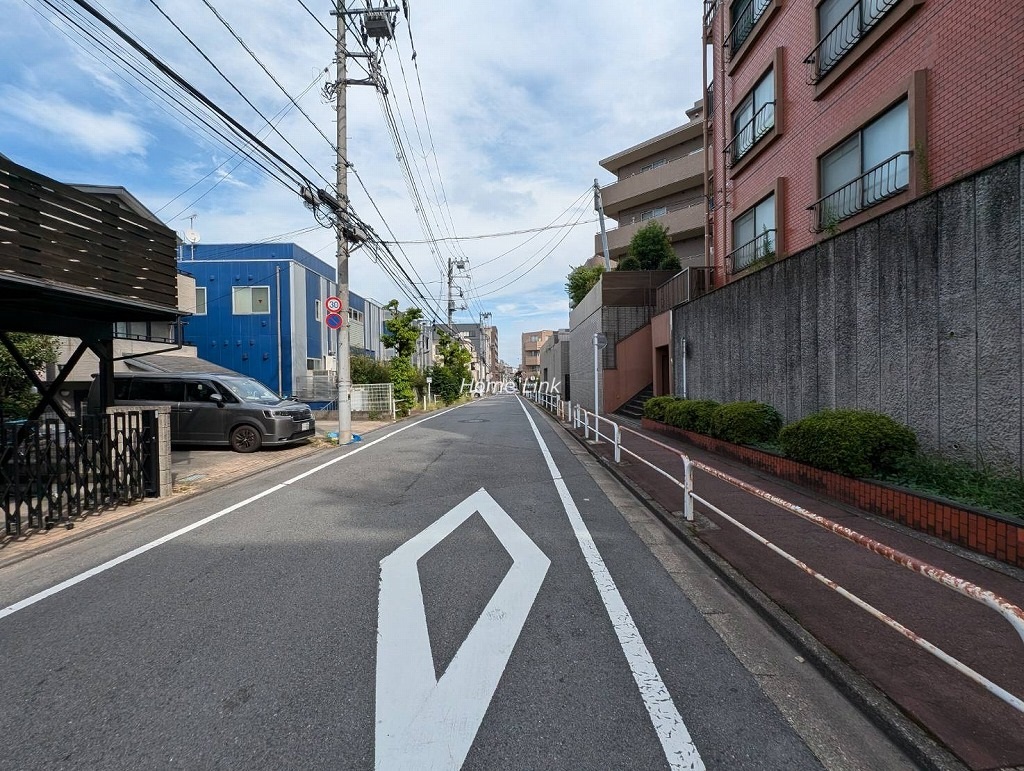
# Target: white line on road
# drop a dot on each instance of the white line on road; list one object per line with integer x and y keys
{"x": 427, "y": 723}
{"x": 680, "y": 751}
{"x": 68, "y": 583}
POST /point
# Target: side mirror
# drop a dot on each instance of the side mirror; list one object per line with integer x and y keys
{"x": 217, "y": 399}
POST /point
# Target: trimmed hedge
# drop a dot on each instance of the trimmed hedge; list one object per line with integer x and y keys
{"x": 746, "y": 423}
{"x": 691, "y": 414}
{"x": 852, "y": 442}
{"x": 654, "y": 408}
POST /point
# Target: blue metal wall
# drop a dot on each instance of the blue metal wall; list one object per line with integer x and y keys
{"x": 249, "y": 343}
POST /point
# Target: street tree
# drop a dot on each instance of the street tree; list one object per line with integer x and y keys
{"x": 402, "y": 333}
{"x": 448, "y": 377}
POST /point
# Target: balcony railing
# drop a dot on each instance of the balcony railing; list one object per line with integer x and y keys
{"x": 875, "y": 185}
{"x": 751, "y": 132}
{"x": 636, "y": 218}
{"x": 743, "y": 22}
{"x": 709, "y": 103}
{"x": 841, "y": 39}
{"x": 683, "y": 287}
{"x": 760, "y": 248}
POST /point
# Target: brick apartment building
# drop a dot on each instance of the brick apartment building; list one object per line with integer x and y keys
{"x": 660, "y": 179}
{"x": 829, "y": 114}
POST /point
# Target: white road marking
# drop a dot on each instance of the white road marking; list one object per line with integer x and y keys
{"x": 680, "y": 751}
{"x": 426, "y": 723}
{"x": 68, "y": 583}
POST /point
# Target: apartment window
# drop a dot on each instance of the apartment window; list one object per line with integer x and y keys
{"x": 753, "y": 235}
{"x": 316, "y": 310}
{"x": 312, "y": 365}
{"x": 754, "y": 117}
{"x": 200, "y": 309}
{"x": 867, "y": 168}
{"x": 355, "y": 315}
{"x": 654, "y": 165}
{"x": 841, "y": 24}
{"x": 657, "y": 211}
{"x": 744, "y": 14}
{"x": 250, "y": 300}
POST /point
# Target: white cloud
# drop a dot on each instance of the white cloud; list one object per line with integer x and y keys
{"x": 103, "y": 135}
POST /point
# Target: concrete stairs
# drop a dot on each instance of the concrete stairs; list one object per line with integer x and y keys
{"x": 634, "y": 409}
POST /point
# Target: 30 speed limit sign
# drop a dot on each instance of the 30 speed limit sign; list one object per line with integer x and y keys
{"x": 333, "y": 304}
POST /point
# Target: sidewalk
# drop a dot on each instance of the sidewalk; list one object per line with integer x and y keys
{"x": 192, "y": 471}
{"x": 983, "y": 731}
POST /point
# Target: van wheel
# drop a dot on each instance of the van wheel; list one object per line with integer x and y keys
{"x": 245, "y": 439}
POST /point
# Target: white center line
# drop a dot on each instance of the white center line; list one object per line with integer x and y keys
{"x": 680, "y": 751}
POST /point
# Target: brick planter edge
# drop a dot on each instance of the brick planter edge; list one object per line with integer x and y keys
{"x": 988, "y": 534}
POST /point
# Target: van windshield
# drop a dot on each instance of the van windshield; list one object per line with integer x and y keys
{"x": 249, "y": 390}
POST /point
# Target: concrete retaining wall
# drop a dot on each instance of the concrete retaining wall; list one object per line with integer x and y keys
{"x": 917, "y": 314}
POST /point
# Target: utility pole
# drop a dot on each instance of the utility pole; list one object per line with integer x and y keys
{"x": 599, "y": 208}
{"x": 377, "y": 24}
{"x": 344, "y": 362}
{"x": 451, "y": 299}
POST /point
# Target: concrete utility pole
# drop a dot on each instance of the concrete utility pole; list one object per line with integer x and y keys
{"x": 451, "y": 300}
{"x": 377, "y": 24}
{"x": 344, "y": 361}
{"x": 599, "y": 208}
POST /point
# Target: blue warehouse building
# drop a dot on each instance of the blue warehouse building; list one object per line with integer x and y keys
{"x": 259, "y": 310}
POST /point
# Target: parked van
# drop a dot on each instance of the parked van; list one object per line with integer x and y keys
{"x": 216, "y": 409}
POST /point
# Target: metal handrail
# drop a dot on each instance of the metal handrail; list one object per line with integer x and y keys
{"x": 757, "y": 132}
{"x": 852, "y": 35}
{"x": 1010, "y": 612}
{"x": 873, "y": 186}
{"x": 749, "y": 15}
{"x": 743, "y": 256}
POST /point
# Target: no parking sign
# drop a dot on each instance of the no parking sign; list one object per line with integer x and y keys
{"x": 334, "y": 320}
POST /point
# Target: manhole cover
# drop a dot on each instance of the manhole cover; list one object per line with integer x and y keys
{"x": 192, "y": 478}
{"x": 475, "y": 420}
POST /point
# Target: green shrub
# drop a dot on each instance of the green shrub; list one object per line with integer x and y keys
{"x": 1000, "y": 491}
{"x": 691, "y": 414}
{"x": 654, "y": 408}
{"x": 852, "y": 442}
{"x": 746, "y": 423}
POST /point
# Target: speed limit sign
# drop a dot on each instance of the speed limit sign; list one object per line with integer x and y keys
{"x": 333, "y": 304}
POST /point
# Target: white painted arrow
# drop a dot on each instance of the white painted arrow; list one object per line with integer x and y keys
{"x": 426, "y": 723}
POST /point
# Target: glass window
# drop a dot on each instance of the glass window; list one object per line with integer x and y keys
{"x": 868, "y": 167}
{"x": 153, "y": 390}
{"x": 753, "y": 234}
{"x": 841, "y": 23}
{"x": 248, "y": 300}
{"x": 200, "y": 309}
{"x": 316, "y": 310}
{"x": 755, "y": 115}
{"x": 198, "y": 391}
{"x": 744, "y": 14}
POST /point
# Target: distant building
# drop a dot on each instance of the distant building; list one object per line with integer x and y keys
{"x": 532, "y": 343}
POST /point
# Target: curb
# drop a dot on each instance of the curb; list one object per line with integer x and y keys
{"x": 910, "y": 737}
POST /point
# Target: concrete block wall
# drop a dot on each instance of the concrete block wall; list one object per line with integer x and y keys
{"x": 917, "y": 314}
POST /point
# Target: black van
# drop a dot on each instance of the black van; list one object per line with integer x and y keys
{"x": 215, "y": 409}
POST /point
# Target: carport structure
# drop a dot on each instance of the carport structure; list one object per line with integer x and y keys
{"x": 75, "y": 262}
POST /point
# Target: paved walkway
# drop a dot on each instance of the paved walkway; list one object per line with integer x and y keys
{"x": 983, "y": 731}
{"x": 193, "y": 471}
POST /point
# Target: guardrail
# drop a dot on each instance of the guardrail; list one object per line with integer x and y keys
{"x": 1013, "y": 614}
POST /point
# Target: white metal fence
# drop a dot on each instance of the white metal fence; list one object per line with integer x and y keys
{"x": 377, "y": 398}
{"x": 591, "y": 424}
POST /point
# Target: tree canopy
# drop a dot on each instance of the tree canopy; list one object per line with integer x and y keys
{"x": 17, "y": 395}
{"x": 650, "y": 249}
{"x": 580, "y": 281}
{"x": 449, "y": 376}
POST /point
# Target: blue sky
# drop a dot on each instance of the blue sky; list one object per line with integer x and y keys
{"x": 523, "y": 99}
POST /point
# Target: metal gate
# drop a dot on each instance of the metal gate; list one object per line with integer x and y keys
{"x": 51, "y": 472}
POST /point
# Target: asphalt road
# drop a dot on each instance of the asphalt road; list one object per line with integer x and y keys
{"x": 466, "y": 591}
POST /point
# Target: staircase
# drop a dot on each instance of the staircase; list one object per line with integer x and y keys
{"x": 634, "y": 408}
